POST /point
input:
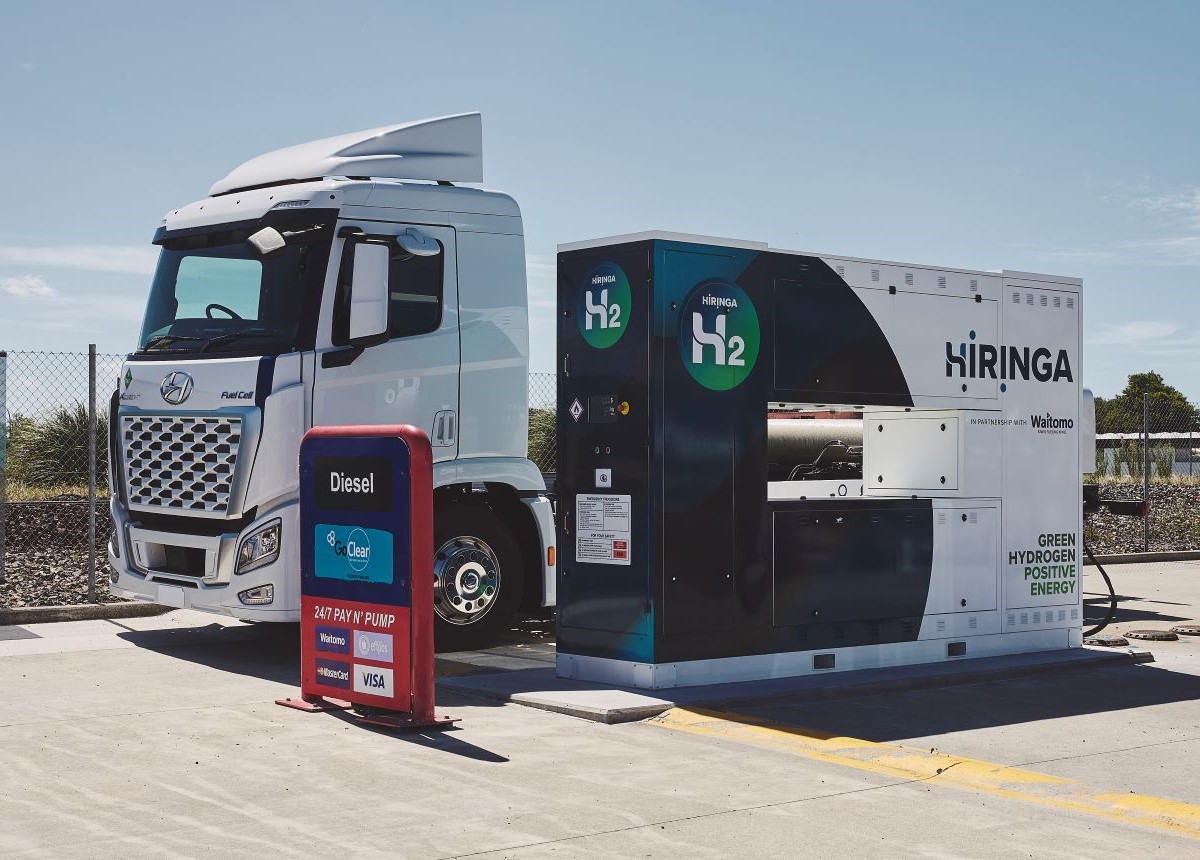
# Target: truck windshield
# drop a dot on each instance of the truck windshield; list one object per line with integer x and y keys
{"x": 214, "y": 293}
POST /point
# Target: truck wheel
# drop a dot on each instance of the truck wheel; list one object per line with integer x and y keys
{"x": 477, "y": 577}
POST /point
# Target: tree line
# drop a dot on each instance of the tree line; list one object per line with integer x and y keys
{"x": 1170, "y": 411}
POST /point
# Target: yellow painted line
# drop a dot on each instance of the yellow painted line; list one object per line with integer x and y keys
{"x": 1173, "y": 816}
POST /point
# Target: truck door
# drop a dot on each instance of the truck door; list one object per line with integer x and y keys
{"x": 412, "y": 378}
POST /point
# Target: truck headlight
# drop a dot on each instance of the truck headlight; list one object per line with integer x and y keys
{"x": 260, "y": 547}
{"x": 258, "y": 596}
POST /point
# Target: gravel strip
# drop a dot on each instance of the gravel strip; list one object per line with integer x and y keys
{"x": 1174, "y": 520}
{"x": 46, "y": 559}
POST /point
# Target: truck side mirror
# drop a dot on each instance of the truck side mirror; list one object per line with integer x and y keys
{"x": 418, "y": 244}
{"x": 369, "y": 292}
{"x": 267, "y": 241}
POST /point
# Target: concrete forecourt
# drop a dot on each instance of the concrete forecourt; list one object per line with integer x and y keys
{"x": 157, "y": 737}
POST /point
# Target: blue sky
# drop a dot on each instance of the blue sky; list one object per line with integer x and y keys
{"x": 1055, "y": 137}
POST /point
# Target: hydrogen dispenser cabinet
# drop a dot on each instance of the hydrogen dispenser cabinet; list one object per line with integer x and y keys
{"x": 772, "y": 463}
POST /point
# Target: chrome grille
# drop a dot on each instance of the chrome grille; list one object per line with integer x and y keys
{"x": 181, "y": 462}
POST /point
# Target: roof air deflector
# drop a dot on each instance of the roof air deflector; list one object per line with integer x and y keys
{"x": 448, "y": 148}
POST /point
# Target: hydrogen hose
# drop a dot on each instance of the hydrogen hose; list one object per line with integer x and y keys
{"x": 1112, "y": 595}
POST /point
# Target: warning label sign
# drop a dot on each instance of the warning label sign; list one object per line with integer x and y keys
{"x": 602, "y": 528}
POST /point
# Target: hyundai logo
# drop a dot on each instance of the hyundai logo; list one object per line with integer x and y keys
{"x": 176, "y": 387}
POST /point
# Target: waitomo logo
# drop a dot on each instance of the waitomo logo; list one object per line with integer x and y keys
{"x": 986, "y": 361}
{"x": 1049, "y": 425}
{"x": 719, "y": 335}
{"x": 604, "y": 305}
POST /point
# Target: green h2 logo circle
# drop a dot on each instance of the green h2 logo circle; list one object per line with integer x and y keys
{"x": 719, "y": 335}
{"x": 604, "y": 305}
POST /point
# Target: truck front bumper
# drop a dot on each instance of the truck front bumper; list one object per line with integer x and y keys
{"x": 145, "y": 567}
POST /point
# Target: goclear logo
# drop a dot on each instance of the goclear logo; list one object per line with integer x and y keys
{"x": 356, "y": 550}
{"x": 176, "y": 387}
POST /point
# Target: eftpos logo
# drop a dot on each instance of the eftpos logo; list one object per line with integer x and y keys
{"x": 176, "y": 387}
{"x": 986, "y": 361}
{"x": 719, "y": 335}
{"x": 604, "y": 305}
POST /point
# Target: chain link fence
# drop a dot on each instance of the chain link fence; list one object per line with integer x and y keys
{"x": 1163, "y": 435}
{"x": 53, "y": 468}
{"x": 46, "y": 418}
{"x": 1148, "y": 451}
{"x": 543, "y": 400}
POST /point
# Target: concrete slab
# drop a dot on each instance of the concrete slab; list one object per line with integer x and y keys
{"x": 540, "y": 688}
{"x": 179, "y": 626}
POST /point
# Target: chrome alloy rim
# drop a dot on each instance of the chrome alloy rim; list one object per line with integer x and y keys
{"x": 466, "y": 580}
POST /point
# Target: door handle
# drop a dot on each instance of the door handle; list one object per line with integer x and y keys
{"x": 442, "y": 433}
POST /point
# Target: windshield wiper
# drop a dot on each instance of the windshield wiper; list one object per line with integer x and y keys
{"x": 156, "y": 343}
{"x": 229, "y": 337}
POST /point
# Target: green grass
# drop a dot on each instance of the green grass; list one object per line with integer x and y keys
{"x": 52, "y": 449}
{"x": 18, "y": 491}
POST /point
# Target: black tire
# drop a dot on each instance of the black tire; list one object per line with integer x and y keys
{"x": 472, "y": 545}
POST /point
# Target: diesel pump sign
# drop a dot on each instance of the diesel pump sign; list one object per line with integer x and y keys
{"x": 366, "y": 576}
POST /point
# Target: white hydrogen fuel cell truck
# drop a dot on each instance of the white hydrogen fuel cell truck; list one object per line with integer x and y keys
{"x": 343, "y": 281}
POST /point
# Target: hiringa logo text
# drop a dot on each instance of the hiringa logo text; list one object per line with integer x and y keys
{"x": 985, "y": 361}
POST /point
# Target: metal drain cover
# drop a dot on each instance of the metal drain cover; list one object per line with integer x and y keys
{"x": 1106, "y": 640}
{"x": 1152, "y": 635}
{"x": 1186, "y": 629}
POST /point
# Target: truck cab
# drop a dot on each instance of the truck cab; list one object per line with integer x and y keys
{"x": 341, "y": 282}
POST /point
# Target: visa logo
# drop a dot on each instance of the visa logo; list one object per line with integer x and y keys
{"x": 374, "y": 681}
